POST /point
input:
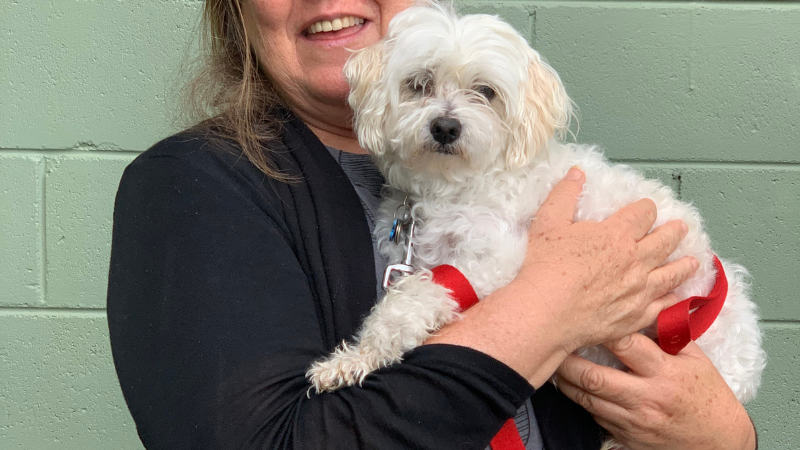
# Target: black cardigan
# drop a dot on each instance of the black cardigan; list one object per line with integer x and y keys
{"x": 224, "y": 285}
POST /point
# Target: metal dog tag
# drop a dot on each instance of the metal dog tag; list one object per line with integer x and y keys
{"x": 402, "y": 217}
{"x": 404, "y": 268}
{"x": 394, "y": 234}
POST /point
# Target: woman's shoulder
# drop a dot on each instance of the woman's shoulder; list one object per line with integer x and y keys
{"x": 198, "y": 164}
{"x": 199, "y": 150}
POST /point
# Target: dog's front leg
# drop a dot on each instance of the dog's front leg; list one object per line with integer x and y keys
{"x": 407, "y": 315}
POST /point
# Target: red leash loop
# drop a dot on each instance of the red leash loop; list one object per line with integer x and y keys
{"x": 451, "y": 278}
{"x": 508, "y": 437}
{"x": 677, "y": 325}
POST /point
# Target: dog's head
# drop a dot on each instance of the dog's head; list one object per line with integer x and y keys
{"x": 449, "y": 98}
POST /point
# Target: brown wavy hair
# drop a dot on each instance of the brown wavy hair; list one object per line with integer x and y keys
{"x": 231, "y": 98}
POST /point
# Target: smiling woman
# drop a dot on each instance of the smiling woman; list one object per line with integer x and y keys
{"x": 306, "y": 67}
{"x": 259, "y": 54}
{"x": 241, "y": 253}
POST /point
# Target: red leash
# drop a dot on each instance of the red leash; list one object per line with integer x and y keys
{"x": 508, "y": 437}
{"x": 678, "y": 325}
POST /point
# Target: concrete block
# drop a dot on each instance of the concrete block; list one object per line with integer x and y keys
{"x": 753, "y": 217}
{"x": 776, "y": 409}
{"x": 92, "y": 74}
{"x": 59, "y": 389}
{"x": 671, "y": 176}
{"x": 679, "y": 81}
{"x": 21, "y": 230}
{"x": 80, "y": 203}
{"x": 520, "y": 16}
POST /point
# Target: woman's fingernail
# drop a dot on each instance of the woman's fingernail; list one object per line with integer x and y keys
{"x": 695, "y": 264}
{"x": 574, "y": 173}
{"x": 684, "y": 228}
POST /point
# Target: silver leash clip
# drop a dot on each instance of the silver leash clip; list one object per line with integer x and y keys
{"x": 402, "y": 220}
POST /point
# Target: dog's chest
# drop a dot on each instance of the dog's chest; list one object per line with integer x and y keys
{"x": 485, "y": 246}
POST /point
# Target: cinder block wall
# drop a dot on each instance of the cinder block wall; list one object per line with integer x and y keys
{"x": 703, "y": 95}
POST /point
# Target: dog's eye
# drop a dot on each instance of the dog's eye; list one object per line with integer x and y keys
{"x": 486, "y": 92}
{"x": 419, "y": 85}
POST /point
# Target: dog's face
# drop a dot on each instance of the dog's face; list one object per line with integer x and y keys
{"x": 443, "y": 99}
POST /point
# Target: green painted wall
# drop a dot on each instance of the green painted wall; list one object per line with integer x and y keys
{"x": 704, "y": 95}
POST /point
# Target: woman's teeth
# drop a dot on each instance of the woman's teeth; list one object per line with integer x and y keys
{"x": 334, "y": 25}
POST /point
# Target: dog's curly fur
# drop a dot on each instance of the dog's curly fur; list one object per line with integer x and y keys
{"x": 474, "y": 198}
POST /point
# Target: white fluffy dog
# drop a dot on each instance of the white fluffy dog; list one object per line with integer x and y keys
{"x": 465, "y": 119}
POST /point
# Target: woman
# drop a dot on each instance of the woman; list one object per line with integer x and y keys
{"x": 241, "y": 252}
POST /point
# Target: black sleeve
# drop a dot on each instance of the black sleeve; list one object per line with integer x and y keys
{"x": 213, "y": 326}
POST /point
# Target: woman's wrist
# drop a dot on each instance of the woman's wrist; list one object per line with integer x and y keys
{"x": 755, "y": 434}
{"x": 742, "y": 432}
{"x": 507, "y": 326}
{"x": 751, "y": 436}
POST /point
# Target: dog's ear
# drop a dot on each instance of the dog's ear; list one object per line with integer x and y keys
{"x": 364, "y": 73}
{"x": 545, "y": 112}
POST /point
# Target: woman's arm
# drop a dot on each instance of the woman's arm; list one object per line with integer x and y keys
{"x": 213, "y": 326}
{"x": 664, "y": 402}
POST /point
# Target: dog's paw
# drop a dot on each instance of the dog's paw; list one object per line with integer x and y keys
{"x": 324, "y": 377}
{"x": 341, "y": 369}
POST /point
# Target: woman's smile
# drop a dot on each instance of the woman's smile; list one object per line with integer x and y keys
{"x": 336, "y": 27}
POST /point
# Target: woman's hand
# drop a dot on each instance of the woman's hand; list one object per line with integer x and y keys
{"x": 664, "y": 402}
{"x": 608, "y": 271}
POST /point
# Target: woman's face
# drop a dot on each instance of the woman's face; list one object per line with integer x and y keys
{"x": 307, "y": 67}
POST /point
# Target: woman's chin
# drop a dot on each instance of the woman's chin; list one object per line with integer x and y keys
{"x": 332, "y": 89}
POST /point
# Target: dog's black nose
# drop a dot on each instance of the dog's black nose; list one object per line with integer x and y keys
{"x": 445, "y": 130}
